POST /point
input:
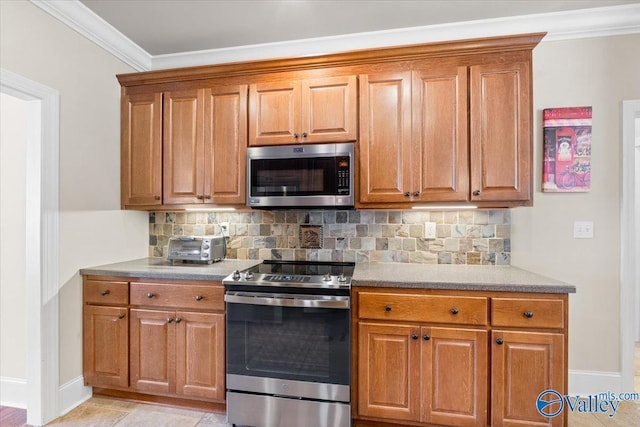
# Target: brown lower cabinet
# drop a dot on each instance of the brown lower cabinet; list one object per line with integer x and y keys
{"x": 456, "y": 358}
{"x": 163, "y": 339}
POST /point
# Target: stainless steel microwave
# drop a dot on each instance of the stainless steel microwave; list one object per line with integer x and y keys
{"x": 312, "y": 175}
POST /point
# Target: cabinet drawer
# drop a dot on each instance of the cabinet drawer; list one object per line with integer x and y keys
{"x": 106, "y": 292}
{"x": 533, "y": 313}
{"x": 423, "y": 308}
{"x": 201, "y": 297}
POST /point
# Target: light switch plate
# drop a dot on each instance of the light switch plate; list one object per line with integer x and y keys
{"x": 583, "y": 229}
{"x": 429, "y": 230}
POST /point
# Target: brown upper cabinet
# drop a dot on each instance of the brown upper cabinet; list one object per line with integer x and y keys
{"x": 303, "y": 111}
{"x": 421, "y": 140}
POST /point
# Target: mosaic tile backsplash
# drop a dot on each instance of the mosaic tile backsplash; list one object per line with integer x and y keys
{"x": 463, "y": 237}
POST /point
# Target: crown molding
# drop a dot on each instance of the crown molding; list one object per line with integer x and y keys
{"x": 80, "y": 18}
{"x": 576, "y": 24}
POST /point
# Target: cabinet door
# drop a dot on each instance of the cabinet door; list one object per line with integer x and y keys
{"x": 388, "y": 371}
{"x": 225, "y": 144}
{"x": 141, "y": 150}
{"x": 501, "y": 148}
{"x": 454, "y": 376}
{"x": 440, "y": 136}
{"x": 200, "y": 358}
{"x": 106, "y": 346}
{"x": 523, "y": 365}
{"x": 385, "y": 137}
{"x": 329, "y": 109}
{"x": 274, "y": 113}
{"x": 183, "y": 147}
{"x": 152, "y": 361}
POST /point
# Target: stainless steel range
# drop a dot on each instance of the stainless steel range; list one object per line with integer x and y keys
{"x": 288, "y": 344}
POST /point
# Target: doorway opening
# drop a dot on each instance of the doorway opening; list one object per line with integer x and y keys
{"x": 41, "y": 243}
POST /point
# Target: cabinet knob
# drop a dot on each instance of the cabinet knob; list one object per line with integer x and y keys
{"x": 200, "y": 197}
{"x": 414, "y": 336}
{"x": 120, "y": 316}
{"x": 476, "y": 193}
{"x": 304, "y": 134}
{"x": 178, "y": 319}
{"x": 207, "y": 197}
{"x": 499, "y": 341}
{"x": 157, "y": 197}
{"x": 199, "y": 297}
{"x": 387, "y": 307}
{"x": 416, "y": 193}
{"x": 295, "y": 135}
{"x": 454, "y": 311}
{"x": 426, "y": 337}
{"x": 528, "y": 314}
{"x": 105, "y": 292}
{"x": 169, "y": 320}
{"x": 407, "y": 194}
{"x": 150, "y": 295}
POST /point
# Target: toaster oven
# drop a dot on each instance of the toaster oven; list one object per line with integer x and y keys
{"x": 204, "y": 249}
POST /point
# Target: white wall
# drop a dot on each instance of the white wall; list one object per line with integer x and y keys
{"x": 600, "y": 72}
{"x": 93, "y": 229}
{"x": 13, "y": 293}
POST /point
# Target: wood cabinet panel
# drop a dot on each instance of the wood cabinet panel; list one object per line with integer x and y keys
{"x": 423, "y": 308}
{"x": 388, "y": 383}
{"x": 152, "y": 355}
{"x": 200, "y": 358}
{"x": 501, "y": 148}
{"x": 183, "y": 147}
{"x": 106, "y": 292}
{"x": 106, "y": 346}
{"x": 329, "y": 109}
{"x": 385, "y": 137}
{"x": 527, "y": 313}
{"x": 141, "y": 150}
{"x": 440, "y": 136}
{"x": 225, "y": 144}
{"x": 197, "y": 297}
{"x": 274, "y": 109}
{"x": 524, "y": 364}
{"x": 454, "y": 376}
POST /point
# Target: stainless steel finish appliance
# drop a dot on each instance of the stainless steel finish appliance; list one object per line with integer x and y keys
{"x": 206, "y": 249}
{"x": 312, "y": 175}
{"x": 288, "y": 344}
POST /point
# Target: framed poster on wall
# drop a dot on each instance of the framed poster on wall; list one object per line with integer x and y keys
{"x": 567, "y": 149}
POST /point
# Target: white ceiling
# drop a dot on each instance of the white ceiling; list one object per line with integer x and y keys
{"x": 177, "y": 26}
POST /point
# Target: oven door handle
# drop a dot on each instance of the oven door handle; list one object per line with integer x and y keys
{"x": 288, "y": 300}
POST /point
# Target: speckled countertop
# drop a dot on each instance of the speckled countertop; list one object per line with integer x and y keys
{"x": 458, "y": 277}
{"x": 160, "y": 268}
{"x": 425, "y": 276}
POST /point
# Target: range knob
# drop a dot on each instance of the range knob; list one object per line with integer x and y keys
{"x": 341, "y": 278}
{"x": 236, "y": 275}
{"x": 248, "y": 275}
{"x": 327, "y": 277}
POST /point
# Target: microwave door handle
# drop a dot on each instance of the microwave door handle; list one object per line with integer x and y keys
{"x": 287, "y": 300}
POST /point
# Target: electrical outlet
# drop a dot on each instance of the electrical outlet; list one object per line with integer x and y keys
{"x": 583, "y": 229}
{"x": 429, "y": 230}
{"x": 224, "y": 228}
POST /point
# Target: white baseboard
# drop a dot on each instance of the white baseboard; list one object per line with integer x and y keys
{"x": 72, "y": 394}
{"x": 13, "y": 392}
{"x": 594, "y": 382}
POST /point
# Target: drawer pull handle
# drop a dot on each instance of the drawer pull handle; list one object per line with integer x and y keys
{"x": 455, "y": 311}
{"x": 169, "y": 320}
{"x": 387, "y": 307}
{"x": 120, "y": 316}
{"x": 528, "y": 314}
{"x": 105, "y": 292}
{"x": 426, "y": 337}
{"x": 414, "y": 336}
{"x": 178, "y": 319}
{"x": 199, "y": 297}
{"x": 150, "y": 295}
{"x": 499, "y": 341}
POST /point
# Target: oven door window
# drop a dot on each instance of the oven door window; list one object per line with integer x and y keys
{"x": 312, "y": 176}
{"x": 303, "y": 344}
